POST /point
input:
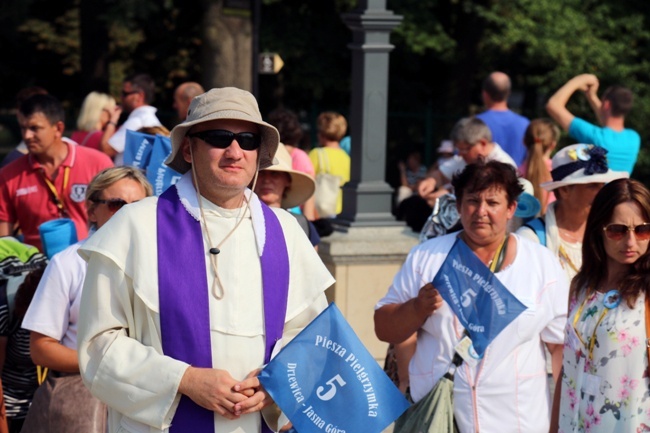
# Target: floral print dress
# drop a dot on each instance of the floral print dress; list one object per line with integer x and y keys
{"x": 607, "y": 391}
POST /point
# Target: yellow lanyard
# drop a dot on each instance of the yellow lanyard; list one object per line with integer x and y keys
{"x": 55, "y": 194}
{"x": 566, "y": 259}
{"x": 592, "y": 341}
{"x": 499, "y": 256}
{"x": 41, "y": 374}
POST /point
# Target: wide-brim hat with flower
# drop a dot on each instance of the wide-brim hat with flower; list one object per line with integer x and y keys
{"x": 581, "y": 164}
{"x": 302, "y": 185}
{"x": 224, "y": 103}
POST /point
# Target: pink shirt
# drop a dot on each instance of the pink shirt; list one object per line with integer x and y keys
{"x": 300, "y": 162}
{"x": 90, "y": 139}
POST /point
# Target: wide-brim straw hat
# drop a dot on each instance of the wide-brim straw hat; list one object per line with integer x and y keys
{"x": 302, "y": 185}
{"x": 224, "y": 103}
{"x": 581, "y": 164}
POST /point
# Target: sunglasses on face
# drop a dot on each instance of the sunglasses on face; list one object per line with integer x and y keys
{"x": 113, "y": 204}
{"x": 125, "y": 93}
{"x": 221, "y": 138}
{"x": 616, "y": 232}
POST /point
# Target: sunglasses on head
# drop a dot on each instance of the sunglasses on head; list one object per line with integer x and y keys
{"x": 616, "y": 232}
{"x": 221, "y": 138}
{"x": 113, "y": 204}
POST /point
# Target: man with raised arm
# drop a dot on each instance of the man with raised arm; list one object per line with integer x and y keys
{"x": 622, "y": 144}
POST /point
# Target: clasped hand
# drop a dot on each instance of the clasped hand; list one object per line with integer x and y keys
{"x": 216, "y": 390}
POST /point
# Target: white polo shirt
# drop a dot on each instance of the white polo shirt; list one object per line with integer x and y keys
{"x": 456, "y": 164}
{"x": 141, "y": 117}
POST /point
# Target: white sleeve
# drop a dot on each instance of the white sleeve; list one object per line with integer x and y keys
{"x": 308, "y": 276}
{"x": 556, "y": 294}
{"x": 451, "y": 167}
{"x": 129, "y": 376}
{"x": 49, "y": 311}
{"x": 118, "y": 140}
{"x": 294, "y": 326}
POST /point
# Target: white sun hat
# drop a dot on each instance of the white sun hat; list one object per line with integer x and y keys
{"x": 581, "y": 164}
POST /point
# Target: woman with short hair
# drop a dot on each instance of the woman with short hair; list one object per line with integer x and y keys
{"x": 329, "y": 158}
{"x": 52, "y": 316}
{"x": 507, "y": 386}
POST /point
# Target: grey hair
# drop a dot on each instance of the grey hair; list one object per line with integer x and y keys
{"x": 470, "y": 130}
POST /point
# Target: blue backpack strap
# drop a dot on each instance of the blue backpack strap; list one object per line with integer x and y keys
{"x": 538, "y": 225}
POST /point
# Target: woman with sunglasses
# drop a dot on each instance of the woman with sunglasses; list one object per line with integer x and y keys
{"x": 604, "y": 384}
{"x": 52, "y": 315}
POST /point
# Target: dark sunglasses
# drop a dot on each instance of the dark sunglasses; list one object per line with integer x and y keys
{"x": 113, "y": 204}
{"x": 221, "y": 138}
{"x": 616, "y": 232}
{"x": 125, "y": 93}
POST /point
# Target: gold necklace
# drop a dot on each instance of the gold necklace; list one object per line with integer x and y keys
{"x": 571, "y": 237}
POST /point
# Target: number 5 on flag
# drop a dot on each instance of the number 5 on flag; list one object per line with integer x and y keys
{"x": 332, "y": 391}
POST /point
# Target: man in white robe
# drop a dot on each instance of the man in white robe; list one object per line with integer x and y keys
{"x": 123, "y": 358}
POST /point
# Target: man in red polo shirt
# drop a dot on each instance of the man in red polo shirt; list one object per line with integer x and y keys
{"x": 50, "y": 181}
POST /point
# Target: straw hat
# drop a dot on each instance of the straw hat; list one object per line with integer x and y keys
{"x": 224, "y": 103}
{"x": 581, "y": 164}
{"x": 302, "y": 185}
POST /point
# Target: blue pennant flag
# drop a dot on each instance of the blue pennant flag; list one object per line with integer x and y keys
{"x": 483, "y": 305}
{"x": 325, "y": 381}
{"x": 160, "y": 175}
{"x": 137, "y": 149}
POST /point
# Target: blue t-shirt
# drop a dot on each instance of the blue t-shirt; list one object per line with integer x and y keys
{"x": 508, "y": 129}
{"x": 622, "y": 146}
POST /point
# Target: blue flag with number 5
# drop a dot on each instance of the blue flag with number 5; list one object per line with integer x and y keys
{"x": 326, "y": 381}
{"x": 483, "y": 305}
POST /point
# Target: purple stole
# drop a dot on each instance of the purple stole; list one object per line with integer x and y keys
{"x": 183, "y": 296}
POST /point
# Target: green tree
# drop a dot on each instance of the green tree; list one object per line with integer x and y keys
{"x": 443, "y": 50}
{"x": 312, "y": 40}
{"x": 540, "y": 43}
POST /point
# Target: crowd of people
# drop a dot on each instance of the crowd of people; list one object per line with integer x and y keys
{"x": 80, "y": 176}
{"x": 579, "y": 267}
{"x": 111, "y": 315}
